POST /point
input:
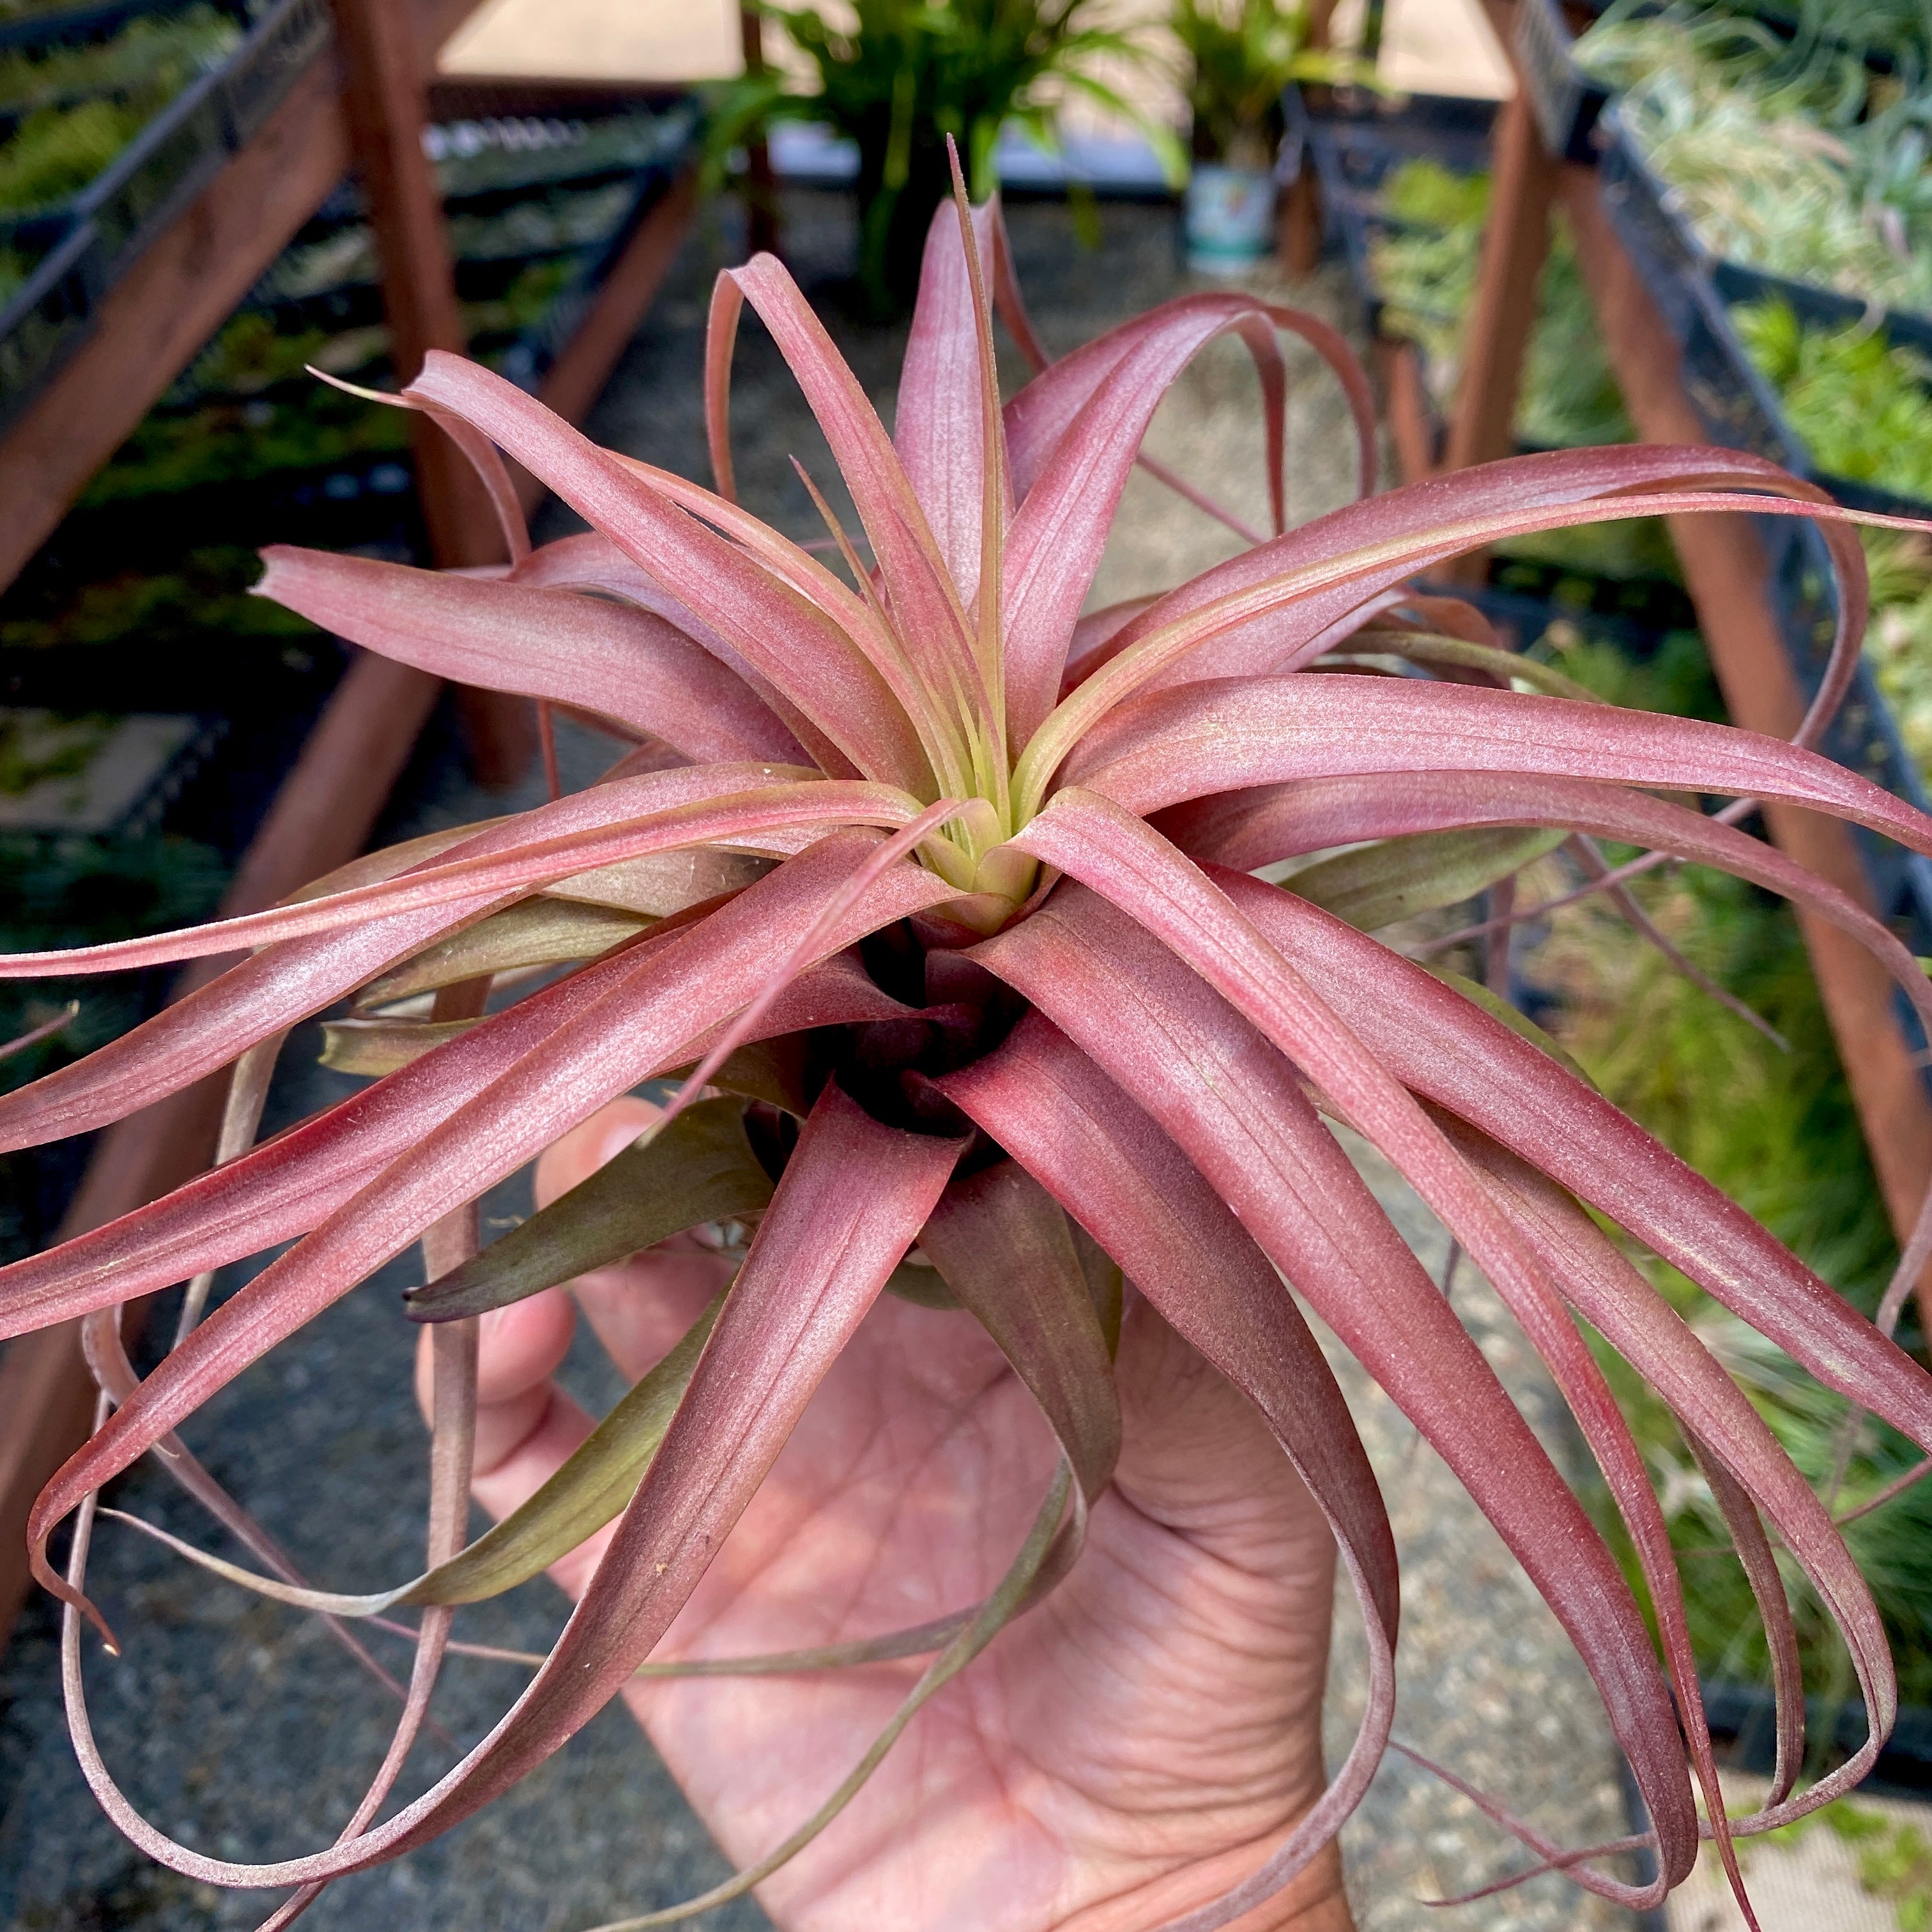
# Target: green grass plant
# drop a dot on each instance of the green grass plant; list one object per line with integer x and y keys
{"x": 1793, "y": 158}
{"x": 78, "y": 107}
{"x": 1862, "y": 404}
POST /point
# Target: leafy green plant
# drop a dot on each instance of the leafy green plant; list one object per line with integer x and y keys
{"x": 79, "y": 107}
{"x": 940, "y": 901}
{"x": 1898, "y": 641}
{"x": 230, "y": 442}
{"x": 1239, "y": 57}
{"x": 207, "y": 591}
{"x": 906, "y": 76}
{"x": 239, "y": 412}
{"x": 1862, "y": 404}
{"x": 1893, "y": 1862}
{"x": 56, "y": 151}
{"x": 146, "y": 63}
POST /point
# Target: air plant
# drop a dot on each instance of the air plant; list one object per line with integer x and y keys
{"x": 942, "y": 894}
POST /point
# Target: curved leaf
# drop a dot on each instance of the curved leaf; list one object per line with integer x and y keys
{"x": 928, "y": 613}
{"x": 1230, "y": 1099}
{"x": 590, "y": 1487}
{"x": 534, "y": 932}
{"x": 1440, "y": 1046}
{"x": 806, "y": 655}
{"x": 1232, "y": 734}
{"x": 700, "y": 1168}
{"x": 1003, "y": 1245}
{"x": 820, "y": 1259}
{"x": 624, "y": 663}
{"x": 615, "y": 830}
{"x": 1274, "y": 609}
{"x": 1379, "y": 884}
{"x": 1112, "y": 1168}
{"x": 293, "y": 1184}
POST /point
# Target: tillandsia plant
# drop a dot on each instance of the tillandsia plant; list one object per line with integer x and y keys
{"x": 943, "y": 896}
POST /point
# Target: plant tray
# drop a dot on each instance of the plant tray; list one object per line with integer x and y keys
{"x": 88, "y": 19}
{"x": 90, "y": 776}
{"x": 1353, "y": 138}
{"x": 1738, "y": 403}
{"x": 1523, "y": 597}
{"x": 1565, "y": 101}
{"x": 1656, "y": 230}
{"x": 109, "y": 223}
{"x": 1744, "y": 1717}
{"x": 1651, "y": 223}
{"x": 1352, "y": 144}
{"x": 559, "y": 155}
{"x": 368, "y": 496}
{"x": 1864, "y": 738}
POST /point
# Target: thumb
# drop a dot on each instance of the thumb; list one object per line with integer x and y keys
{"x": 590, "y": 1145}
{"x": 1197, "y": 1458}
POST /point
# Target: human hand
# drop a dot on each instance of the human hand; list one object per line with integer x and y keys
{"x": 1128, "y": 1750}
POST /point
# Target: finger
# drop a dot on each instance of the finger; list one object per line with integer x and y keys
{"x": 641, "y": 1308}
{"x": 518, "y": 1350}
{"x": 556, "y": 1431}
{"x": 589, "y": 1145}
{"x": 1197, "y": 1458}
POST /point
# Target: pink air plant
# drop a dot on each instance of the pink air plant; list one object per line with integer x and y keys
{"x": 942, "y": 894}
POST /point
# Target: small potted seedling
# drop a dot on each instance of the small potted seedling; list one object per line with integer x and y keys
{"x": 1240, "y": 54}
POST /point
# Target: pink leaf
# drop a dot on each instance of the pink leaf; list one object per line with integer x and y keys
{"x": 1610, "y": 1293}
{"x": 1062, "y": 525}
{"x": 1267, "y": 610}
{"x": 1235, "y": 733}
{"x": 293, "y": 1183}
{"x": 1134, "y": 1191}
{"x": 1246, "y": 830}
{"x": 937, "y": 430}
{"x": 927, "y": 608}
{"x": 506, "y": 635}
{"x": 699, "y": 978}
{"x": 1232, "y": 1101}
{"x": 806, "y": 655}
{"x": 588, "y": 831}
{"x": 820, "y": 1257}
{"x": 1440, "y": 1045}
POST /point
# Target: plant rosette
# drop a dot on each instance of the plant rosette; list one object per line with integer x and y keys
{"x": 942, "y": 894}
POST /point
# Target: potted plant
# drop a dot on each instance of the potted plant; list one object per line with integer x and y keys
{"x": 1241, "y": 54}
{"x": 905, "y": 77}
{"x": 939, "y": 897}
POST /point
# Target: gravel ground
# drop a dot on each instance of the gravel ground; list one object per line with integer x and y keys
{"x": 244, "y": 1729}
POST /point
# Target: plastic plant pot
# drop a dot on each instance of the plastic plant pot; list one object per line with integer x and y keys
{"x": 1229, "y": 218}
